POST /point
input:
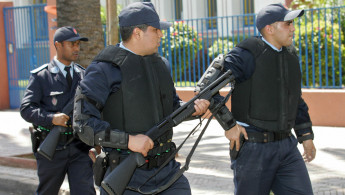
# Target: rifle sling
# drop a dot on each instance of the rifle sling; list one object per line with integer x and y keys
{"x": 188, "y": 159}
{"x": 68, "y": 142}
{"x": 181, "y": 171}
{"x": 107, "y": 135}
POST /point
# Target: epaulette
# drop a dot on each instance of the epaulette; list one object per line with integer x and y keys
{"x": 80, "y": 66}
{"x": 39, "y": 68}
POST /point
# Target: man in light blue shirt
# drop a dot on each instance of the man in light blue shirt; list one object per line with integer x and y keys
{"x": 50, "y": 88}
{"x": 267, "y": 103}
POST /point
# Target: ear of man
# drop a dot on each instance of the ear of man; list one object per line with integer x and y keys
{"x": 57, "y": 45}
{"x": 137, "y": 33}
{"x": 268, "y": 30}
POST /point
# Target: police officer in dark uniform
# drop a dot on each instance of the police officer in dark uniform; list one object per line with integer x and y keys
{"x": 127, "y": 89}
{"x": 267, "y": 103}
{"x": 50, "y": 88}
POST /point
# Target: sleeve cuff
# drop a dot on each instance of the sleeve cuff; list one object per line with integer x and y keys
{"x": 301, "y": 139}
{"x": 302, "y": 129}
{"x": 50, "y": 118}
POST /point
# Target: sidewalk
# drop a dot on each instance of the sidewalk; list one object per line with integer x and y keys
{"x": 209, "y": 171}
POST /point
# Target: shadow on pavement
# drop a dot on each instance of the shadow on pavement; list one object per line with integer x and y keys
{"x": 337, "y": 152}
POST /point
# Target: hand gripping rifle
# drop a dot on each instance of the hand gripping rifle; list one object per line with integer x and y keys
{"x": 117, "y": 181}
{"x": 48, "y": 146}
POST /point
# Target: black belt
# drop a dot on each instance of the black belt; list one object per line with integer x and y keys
{"x": 155, "y": 158}
{"x": 64, "y": 136}
{"x": 264, "y": 137}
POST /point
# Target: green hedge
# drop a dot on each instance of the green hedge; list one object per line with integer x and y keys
{"x": 185, "y": 42}
{"x": 307, "y": 41}
{"x": 220, "y": 46}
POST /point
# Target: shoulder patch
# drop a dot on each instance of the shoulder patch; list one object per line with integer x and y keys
{"x": 39, "y": 68}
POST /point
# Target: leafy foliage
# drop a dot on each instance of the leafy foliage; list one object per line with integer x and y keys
{"x": 185, "y": 42}
{"x": 104, "y": 13}
{"x": 321, "y": 50}
{"x": 305, "y": 4}
{"x": 324, "y": 58}
{"x": 220, "y": 46}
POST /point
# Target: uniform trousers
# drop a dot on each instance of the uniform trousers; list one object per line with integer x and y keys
{"x": 276, "y": 166}
{"x": 75, "y": 162}
{"x": 180, "y": 187}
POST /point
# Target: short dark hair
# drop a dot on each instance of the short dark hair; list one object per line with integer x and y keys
{"x": 126, "y": 31}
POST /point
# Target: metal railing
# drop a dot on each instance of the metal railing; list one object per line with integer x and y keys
{"x": 319, "y": 39}
{"x": 190, "y": 45}
{"x": 27, "y": 46}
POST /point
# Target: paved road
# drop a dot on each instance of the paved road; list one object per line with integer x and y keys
{"x": 209, "y": 171}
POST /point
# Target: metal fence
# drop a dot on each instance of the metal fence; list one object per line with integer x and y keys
{"x": 320, "y": 41}
{"x": 190, "y": 45}
{"x": 27, "y": 41}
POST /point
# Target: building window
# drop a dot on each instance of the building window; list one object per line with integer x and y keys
{"x": 39, "y": 1}
{"x": 178, "y": 9}
{"x": 248, "y": 6}
{"x": 212, "y": 12}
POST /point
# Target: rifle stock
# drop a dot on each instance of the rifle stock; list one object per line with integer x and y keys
{"x": 116, "y": 185}
{"x": 48, "y": 146}
{"x": 116, "y": 182}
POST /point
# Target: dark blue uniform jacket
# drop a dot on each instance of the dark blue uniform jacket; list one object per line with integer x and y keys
{"x": 47, "y": 93}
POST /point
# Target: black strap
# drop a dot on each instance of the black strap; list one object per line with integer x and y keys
{"x": 70, "y": 140}
{"x": 188, "y": 159}
{"x": 98, "y": 105}
{"x": 107, "y": 135}
{"x": 182, "y": 170}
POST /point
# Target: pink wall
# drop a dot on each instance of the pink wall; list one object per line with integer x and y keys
{"x": 326, "y": 107}
{"x": 52, "y": 28}
{"x": 4, "y": 92}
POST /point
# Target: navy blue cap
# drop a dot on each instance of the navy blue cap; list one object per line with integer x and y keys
{"x": 141, "y": 13}
{"x": 68, "y": 33}
{"x": 275, "y": 12}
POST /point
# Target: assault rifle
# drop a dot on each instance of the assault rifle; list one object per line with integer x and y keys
{"x": 48, "y": 146}
{"x": 117, "y": 181}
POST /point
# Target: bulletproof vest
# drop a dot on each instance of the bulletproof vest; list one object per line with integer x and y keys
{"x": 269, "y": 99}
{"x": 146, "y": 93}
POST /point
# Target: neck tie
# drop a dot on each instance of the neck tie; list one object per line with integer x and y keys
{"x": 68, "y": 76}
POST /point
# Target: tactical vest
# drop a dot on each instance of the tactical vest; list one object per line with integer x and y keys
{"x": 269, "y": 99}
{"x": 146, "y": 93}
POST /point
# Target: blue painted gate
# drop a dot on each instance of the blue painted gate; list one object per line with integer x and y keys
{"x": 27, "y": 46}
